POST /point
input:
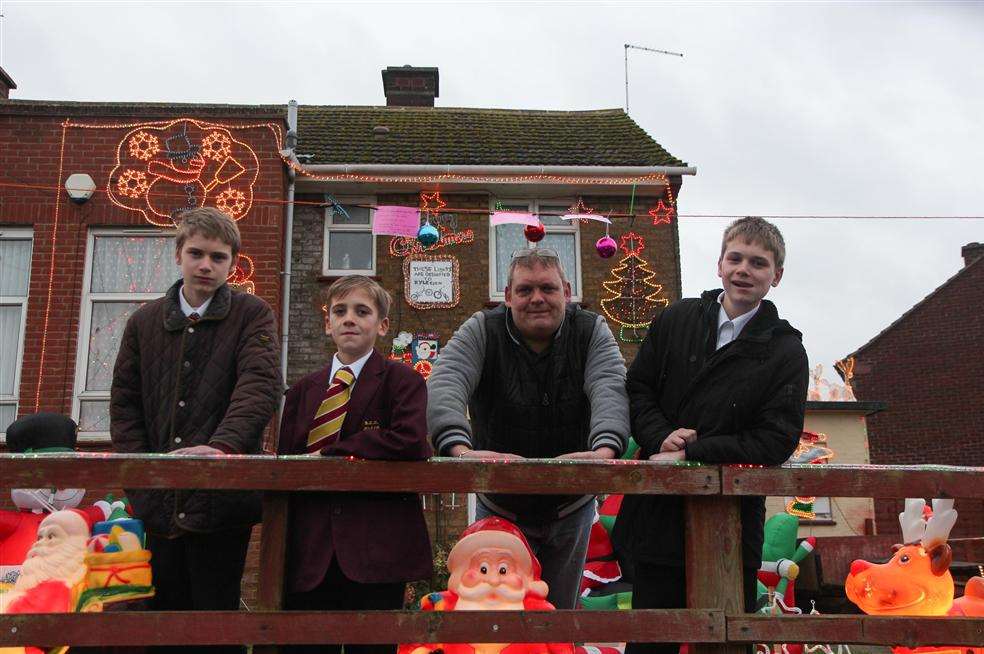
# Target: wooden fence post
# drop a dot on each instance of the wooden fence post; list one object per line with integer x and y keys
{"x": 713, "y": 561}
{"x": 273, "y": 558}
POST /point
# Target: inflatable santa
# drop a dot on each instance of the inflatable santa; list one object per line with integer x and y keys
{"x": 492, "y": 568}
{"x": 37, "y": 433}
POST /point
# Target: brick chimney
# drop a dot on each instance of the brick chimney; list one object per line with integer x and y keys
{"x": 410, "y": 86}
{"x": 6, "y": 85}
{"x": 971, "y": 252}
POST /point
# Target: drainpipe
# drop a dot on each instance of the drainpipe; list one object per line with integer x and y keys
{"x": 290, "y": 145}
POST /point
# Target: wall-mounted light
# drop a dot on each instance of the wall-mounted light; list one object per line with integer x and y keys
{"x": 80, "y": 187}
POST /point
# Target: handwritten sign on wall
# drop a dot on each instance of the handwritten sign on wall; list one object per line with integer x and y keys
{"x": 431, "y": 282}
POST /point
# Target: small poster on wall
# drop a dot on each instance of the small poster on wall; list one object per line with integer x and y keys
{"x": 431, "y": 282}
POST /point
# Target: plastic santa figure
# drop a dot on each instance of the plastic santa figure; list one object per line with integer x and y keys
{"x": 41, "y": 432}
{"x": 54, "y": 571}
{"x": 492, "y": 569}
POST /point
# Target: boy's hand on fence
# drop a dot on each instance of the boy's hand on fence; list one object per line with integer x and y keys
{"x": 677, "y": 440}
{"x": 198, "y": 450}
{"x": 669, "y": 457}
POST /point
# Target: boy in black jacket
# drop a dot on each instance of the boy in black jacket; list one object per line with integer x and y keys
{"x": 719, "y": 379}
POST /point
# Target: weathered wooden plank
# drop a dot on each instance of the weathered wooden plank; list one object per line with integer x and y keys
{"x": 303, "y": 473}
{"x": 855, "y": 481}
{"x": 713, "y": 560}
{"x": 273, "y": 557}
{"x": 265, "y": 628}
{"x": 856, "y": 629}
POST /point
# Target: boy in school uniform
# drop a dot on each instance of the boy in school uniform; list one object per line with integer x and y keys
{"x": 356, "y": 551}
{"x": 719, "y": 379}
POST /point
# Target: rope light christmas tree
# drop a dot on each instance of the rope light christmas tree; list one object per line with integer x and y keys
{"x": 634, "y": 297}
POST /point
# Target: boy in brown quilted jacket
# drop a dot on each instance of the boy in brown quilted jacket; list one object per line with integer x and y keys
{"x": 198, "y": 373}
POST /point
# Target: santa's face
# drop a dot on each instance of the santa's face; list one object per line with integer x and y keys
{"x": 56, "y": 554}
{"x": 493, "y": 577}
{"x": 46, "y": 499}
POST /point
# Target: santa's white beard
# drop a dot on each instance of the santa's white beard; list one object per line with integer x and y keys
{"x": 60, "y": 559}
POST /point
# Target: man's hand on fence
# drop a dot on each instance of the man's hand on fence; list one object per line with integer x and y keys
{"x": 669, "y": 457}
{"x": 463, "y": 452}
{"x": 603, "y": 452}
{"x": 677, "y": 440}
{"x": 198, "y": 450}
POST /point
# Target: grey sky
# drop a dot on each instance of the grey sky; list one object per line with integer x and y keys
{"x": 785, "y": 109}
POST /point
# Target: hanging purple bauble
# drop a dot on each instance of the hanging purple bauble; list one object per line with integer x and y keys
{"x": 428, "y": 235}
{"x": 606, "y": 247}
{"x": 535, "y": 233}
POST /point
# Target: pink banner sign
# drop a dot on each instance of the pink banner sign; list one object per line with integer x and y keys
{"x": 396, "y": 221}
{"x": 514, "y": 218}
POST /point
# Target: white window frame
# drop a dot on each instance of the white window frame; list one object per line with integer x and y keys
{"x": 329, "y": 228}
{"x": 17, "y": 234}
{"x": 85, "y": 321}
{"x": 534, "y": 208}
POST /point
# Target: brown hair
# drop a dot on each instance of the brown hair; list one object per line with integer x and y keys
{"x": 210, "y": 223}
{"x": 753, "y": 229}
{"x": 345, "y": 285}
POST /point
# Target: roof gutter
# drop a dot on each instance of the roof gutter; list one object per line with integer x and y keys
{"x": 493, "y": 170}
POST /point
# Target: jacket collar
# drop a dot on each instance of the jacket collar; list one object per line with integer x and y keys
{"x": 174, "y": 318}
{"x": 763, "y": 326}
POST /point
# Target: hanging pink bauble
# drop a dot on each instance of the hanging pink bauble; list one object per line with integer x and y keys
{"x": 606, "y": 246}
{"x": 535, "y": 233}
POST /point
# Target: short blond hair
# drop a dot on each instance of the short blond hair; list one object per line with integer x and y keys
{"x": 345, "y": 285}
{"x": 210, "y": 223}
{"x": 753, "y": 229}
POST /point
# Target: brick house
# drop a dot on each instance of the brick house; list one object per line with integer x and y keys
{"x": 927, "y": 367}
{"x": 541, "y": 162}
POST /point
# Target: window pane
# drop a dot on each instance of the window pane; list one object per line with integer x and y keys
{"x": 133, "y": 264}
{"x": 10, "y": 323}
{"x": 15, "y": 267}
{"x": 356, "y": 215}
{"x": 8, "y": 413}
{"x": 508, "y": 239}
{"x": 94, "y": 415}
{"x": 564, "y": 245}
{"x": 554, "y": 219}
{"x": 350, "y": 250}
{"x": 106, "y": 329}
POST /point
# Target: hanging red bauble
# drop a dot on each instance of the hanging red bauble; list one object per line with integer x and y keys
{"x": 606, "y": 246}
{"x": 535, "y": 233}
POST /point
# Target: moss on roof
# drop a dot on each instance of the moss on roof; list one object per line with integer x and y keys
{"x": 440, "y": 135}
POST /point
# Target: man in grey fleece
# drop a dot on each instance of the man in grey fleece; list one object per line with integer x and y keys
{"x": 541, "y": 378}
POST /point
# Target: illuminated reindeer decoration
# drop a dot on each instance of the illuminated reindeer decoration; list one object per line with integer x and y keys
{"x": 916, "y": 580}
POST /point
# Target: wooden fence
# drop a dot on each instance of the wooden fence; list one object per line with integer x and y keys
{"x": 713, "y": 621}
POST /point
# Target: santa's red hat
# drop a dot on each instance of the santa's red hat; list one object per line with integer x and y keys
{"x": 496, "y": 532}
{"x": 76, "y": 522}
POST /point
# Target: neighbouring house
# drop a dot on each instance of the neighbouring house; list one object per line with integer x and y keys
{"x": 837, "y": 433}
{"x": 928, "y": 367}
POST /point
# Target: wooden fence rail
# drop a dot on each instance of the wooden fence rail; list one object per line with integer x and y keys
{"x": 713, "y": 620}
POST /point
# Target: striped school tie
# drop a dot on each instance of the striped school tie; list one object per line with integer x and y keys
{"x": 331, "y": 414}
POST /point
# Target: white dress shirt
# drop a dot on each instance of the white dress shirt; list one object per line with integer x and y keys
{"x": 356, "y": 366}
{"x": 730, "y": 328}
{"x": 186, "y": 307}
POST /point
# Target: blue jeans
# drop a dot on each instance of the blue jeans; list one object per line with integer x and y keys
{"x": 561, "y": 547}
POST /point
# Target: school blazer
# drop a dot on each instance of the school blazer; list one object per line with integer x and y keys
{"x": 376, "y": 537}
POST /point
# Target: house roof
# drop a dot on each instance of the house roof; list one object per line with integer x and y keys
{"x": 455, "y": 136}
{"x": 82, "y": 110}
{"x": 973, "y": 265}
